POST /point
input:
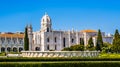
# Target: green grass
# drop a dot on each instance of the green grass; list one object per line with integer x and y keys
{"x": 104, "y": 60}
{"x": 14, "y": 52}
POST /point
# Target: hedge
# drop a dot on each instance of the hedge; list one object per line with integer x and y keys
{"x": 56, "y": 59}
{"x": 60, "y": 64}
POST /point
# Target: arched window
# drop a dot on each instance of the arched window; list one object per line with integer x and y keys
{"x": 37, "y": 48}
{"x": 55, "y": 39}
{"x": 8, "y": 40}
{"x": 48, "y": 40}
{"x": 81, "y": 41}
{"x": 14, "y": 49}
{"x": 2, "y": 49}
{"x": 2, "y": 40}
{"x": 63, "y": 42}
{"x": 14, "y": 40}
{"x": 8, "y": 49}
{"x": 20, "y": 49}
{"x": 43, "y": 20}
{"x": 72, "y": 41}
{"x": 20, "y": 41}
{"x": 47, "y": 29}
{"x": 48, "y": 47}
{"x": 48, "y": 20}
{"x": 55, "y": 47}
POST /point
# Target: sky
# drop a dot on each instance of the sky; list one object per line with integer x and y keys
{"x": 65, "y": 14}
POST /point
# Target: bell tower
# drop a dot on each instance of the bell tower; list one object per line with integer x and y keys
{"x": 46, "y": 23}
{"x": 30, "y": 36}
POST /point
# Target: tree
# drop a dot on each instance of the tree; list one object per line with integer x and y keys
{"x": 116, "y": 36}
{"x": 107, "y": 47}
{"x": 74, "y": 48}
{"x": 90, "y": 42}
{"x": 90, "y": 45}
{"x": 26, "y": 40}
{"x": 116, "y": 42}
{"x": 77, "y": 48}
{"x": 99, "y": 43}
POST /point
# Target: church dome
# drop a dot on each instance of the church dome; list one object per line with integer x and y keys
{"x": 45, "y": 18}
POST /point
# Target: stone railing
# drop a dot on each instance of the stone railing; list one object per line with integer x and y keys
{"x": 14, "y": 55}
{"x": 60, "y": 53}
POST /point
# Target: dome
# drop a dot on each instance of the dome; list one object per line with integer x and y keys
{"x": 45, "y": 18}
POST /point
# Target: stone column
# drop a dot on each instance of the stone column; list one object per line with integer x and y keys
{"x": 52, "y": 42}
{"x": 17, "y": 41}
{"x": 0, "y": 48}
{"x": 69, "y": 38}
{"x": 5, "y": 44}
{"x": 60, "y": 41}
{"x": 77, "y": 42}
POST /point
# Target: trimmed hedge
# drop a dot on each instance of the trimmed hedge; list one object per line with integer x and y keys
{"x": 56, "y": 59}
{"x": 2, "y": 54}
{"x": 61, "y": 64}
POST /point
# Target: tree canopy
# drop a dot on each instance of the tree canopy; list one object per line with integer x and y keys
{"x": 90, "y": 42}
{"x": 26, "y": 40}
{"x": 74, "y": 48}
{"x": 99, "y": 43}
{"x": 116, "y": 42}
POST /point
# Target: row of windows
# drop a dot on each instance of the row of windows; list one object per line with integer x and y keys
{"x": 11, "y": 42}
{"x": 48, "y": 47}
{"x": 11, "y": 49}
{"x": 55, "y": 40}
{"x": 64, "y": 42}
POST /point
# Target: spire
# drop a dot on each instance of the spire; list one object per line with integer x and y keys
{"x": 30, "y": 25}
{"x": 45, "y": 13}
{"x": 27, "y": 26}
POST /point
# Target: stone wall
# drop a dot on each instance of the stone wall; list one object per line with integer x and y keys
{"x": 60, "y": 53}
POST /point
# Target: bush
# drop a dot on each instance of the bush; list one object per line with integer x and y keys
{"x": 102, "y": 58}
{"x": 88, "y": 47}
{"x": 61, "y": 64}
{"x": 107, "y": 48}
{"x": 2, "y": 54}
{"x": 74, "y": 48}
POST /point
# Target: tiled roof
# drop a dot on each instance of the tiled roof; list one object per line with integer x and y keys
{"x": 12, "y": 35}
{"x": 88, "y": 31}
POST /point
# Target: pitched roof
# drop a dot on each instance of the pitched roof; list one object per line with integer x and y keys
{"x": 88, "y": 30}
{"x": 12, "y": 35}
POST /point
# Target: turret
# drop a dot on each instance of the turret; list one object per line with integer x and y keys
{"x": 46, "y": 23}
{"x": 30, "y": 35}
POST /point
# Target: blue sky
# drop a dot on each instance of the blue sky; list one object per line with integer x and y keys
{"x": 65, "y": 14}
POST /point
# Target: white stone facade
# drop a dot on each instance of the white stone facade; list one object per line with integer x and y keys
{"x": 11, "y": 42}
{"x": 48, "y": 39}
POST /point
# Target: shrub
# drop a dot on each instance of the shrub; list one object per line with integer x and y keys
{"x": 74, "y": 48}
{"x": 61, "y": 64}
